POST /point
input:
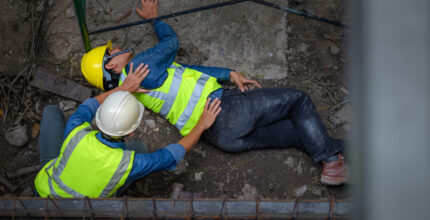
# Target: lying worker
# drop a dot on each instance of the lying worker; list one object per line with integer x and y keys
{"x": 250, "y": 119}
{"x": 96, "y": 164}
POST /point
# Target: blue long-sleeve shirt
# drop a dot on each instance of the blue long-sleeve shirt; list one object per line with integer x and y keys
{"x": 143, "y": 164}
{"x": 160, "y": 57}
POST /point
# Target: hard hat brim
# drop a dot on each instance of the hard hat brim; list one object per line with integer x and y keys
{"x": 120, "y": 133}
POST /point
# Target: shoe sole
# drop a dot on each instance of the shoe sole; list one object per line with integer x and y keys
{"x": 332, "y": 181}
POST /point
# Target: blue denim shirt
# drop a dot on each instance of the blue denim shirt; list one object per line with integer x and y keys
{"x": 160, "y": 57}
{"x": 143, "y": 164}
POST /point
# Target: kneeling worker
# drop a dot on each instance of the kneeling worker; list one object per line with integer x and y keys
{"x": 78, "y": 161}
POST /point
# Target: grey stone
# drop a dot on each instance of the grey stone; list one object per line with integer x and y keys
{"x": 181, "y": 167}
{"x": 70, "y": 12}
{"x": 334, "y": 50}
{"x": 301, "y": 191}
{"x": 150, "y": 123}
{"x": 17, "y": 135}
{"x": 198, "y": 176}
{"x": 67, "y": 105}
{"x": 248, "y": 192}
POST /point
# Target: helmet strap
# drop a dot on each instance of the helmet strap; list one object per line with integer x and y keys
{"x": 112, "y": 139}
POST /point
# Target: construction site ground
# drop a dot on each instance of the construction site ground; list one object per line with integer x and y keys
{"x": 273, "y": 47}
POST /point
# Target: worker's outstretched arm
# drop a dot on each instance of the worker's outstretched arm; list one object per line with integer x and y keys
{"x": 161, "y": 56}
{"x": 206, "y": 120}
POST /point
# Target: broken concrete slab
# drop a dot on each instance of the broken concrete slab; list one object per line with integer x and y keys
{"x": 43, "y": 79}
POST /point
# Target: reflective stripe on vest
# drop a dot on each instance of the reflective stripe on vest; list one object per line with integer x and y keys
{"x": 55, "y": 168}
{"x": 169, "y": 97}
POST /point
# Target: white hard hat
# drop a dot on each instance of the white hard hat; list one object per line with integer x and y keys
{"x": 120, "y": 114}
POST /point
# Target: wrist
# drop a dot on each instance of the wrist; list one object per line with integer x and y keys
{"x": 232, "y": 73}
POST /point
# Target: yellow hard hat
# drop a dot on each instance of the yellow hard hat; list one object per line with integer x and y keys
{"x": 92, "y": 65}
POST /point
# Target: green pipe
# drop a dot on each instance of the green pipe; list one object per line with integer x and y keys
{"x": 80, "y": 8}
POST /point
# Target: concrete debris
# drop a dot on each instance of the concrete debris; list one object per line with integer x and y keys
{"x": 181, "y": 167}
{"x": 176, "y": 190}
{"x": 289, "y": 162}
{"x": 17, "y": 135}
{"x": 301, "y": 191}
{"x": 334, "y": 50}
{"x": 343, "y": 116}
{"x": 248, "y": 192}
{"x": 150, "y": 123}
{"x": 198, "y": 176}
{"x": 70, "y": 12}
{"x": 67, "y": 105}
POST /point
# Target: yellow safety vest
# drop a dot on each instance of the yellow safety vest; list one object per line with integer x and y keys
{"x": 85, "y": 167}
{"x": 182, "y": 97}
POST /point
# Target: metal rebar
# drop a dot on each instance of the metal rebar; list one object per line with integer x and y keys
{"x": 154, "y": 215}
{"x": 56, "y": 206}
{"x": 220, "y": 211}
{"x": 80, "y": 9}
{"x": 217, "y": 5}
{"x": 304, "y": 14}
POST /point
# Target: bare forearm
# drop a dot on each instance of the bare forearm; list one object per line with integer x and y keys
{"x": 192, "y": 138}
{"x": 104, "y": 95}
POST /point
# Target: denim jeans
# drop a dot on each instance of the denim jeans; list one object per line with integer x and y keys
{"x": 271, "y": 118}
{"x": 51, "y": 135}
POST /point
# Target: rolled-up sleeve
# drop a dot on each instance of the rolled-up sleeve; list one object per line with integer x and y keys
{"x": 163, "y": 159}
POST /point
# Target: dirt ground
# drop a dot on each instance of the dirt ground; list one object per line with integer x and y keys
{"x": 314, "y": 59}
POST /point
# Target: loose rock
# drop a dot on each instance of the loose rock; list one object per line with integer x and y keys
{"x": 249, "y": 192}
{"x": 17, "y": 135}
{"x": 70, "y": 12}
{"x": 198, "y": 176}
{"x": 334, "y": 50}
{"x": 150, "y": 123}
{"x": 67, "y": 105}
{"x": 301, "y": 191}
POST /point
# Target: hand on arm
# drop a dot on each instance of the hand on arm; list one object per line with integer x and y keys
{"x": 149, "y": 9}
{"x": 131, "y": 83}
{"x": 206, "y": 120}
{"x": 242, "y": 82}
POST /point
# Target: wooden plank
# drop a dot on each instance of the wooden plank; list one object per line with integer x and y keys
{"x": 49, "y": 81}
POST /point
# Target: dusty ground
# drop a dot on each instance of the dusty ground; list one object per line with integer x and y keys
{"x": 276, "y": 49}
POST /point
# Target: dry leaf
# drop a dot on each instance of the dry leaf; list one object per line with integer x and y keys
{"x": 35, "y": 130}
{"x": 1, "y": 112}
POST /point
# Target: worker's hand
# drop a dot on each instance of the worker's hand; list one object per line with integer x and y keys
{"x": 135, "y": 78}
{"x": 149, "y": 9}
{"x": 210, "y": 113}
{"x": 242, "y": 82}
